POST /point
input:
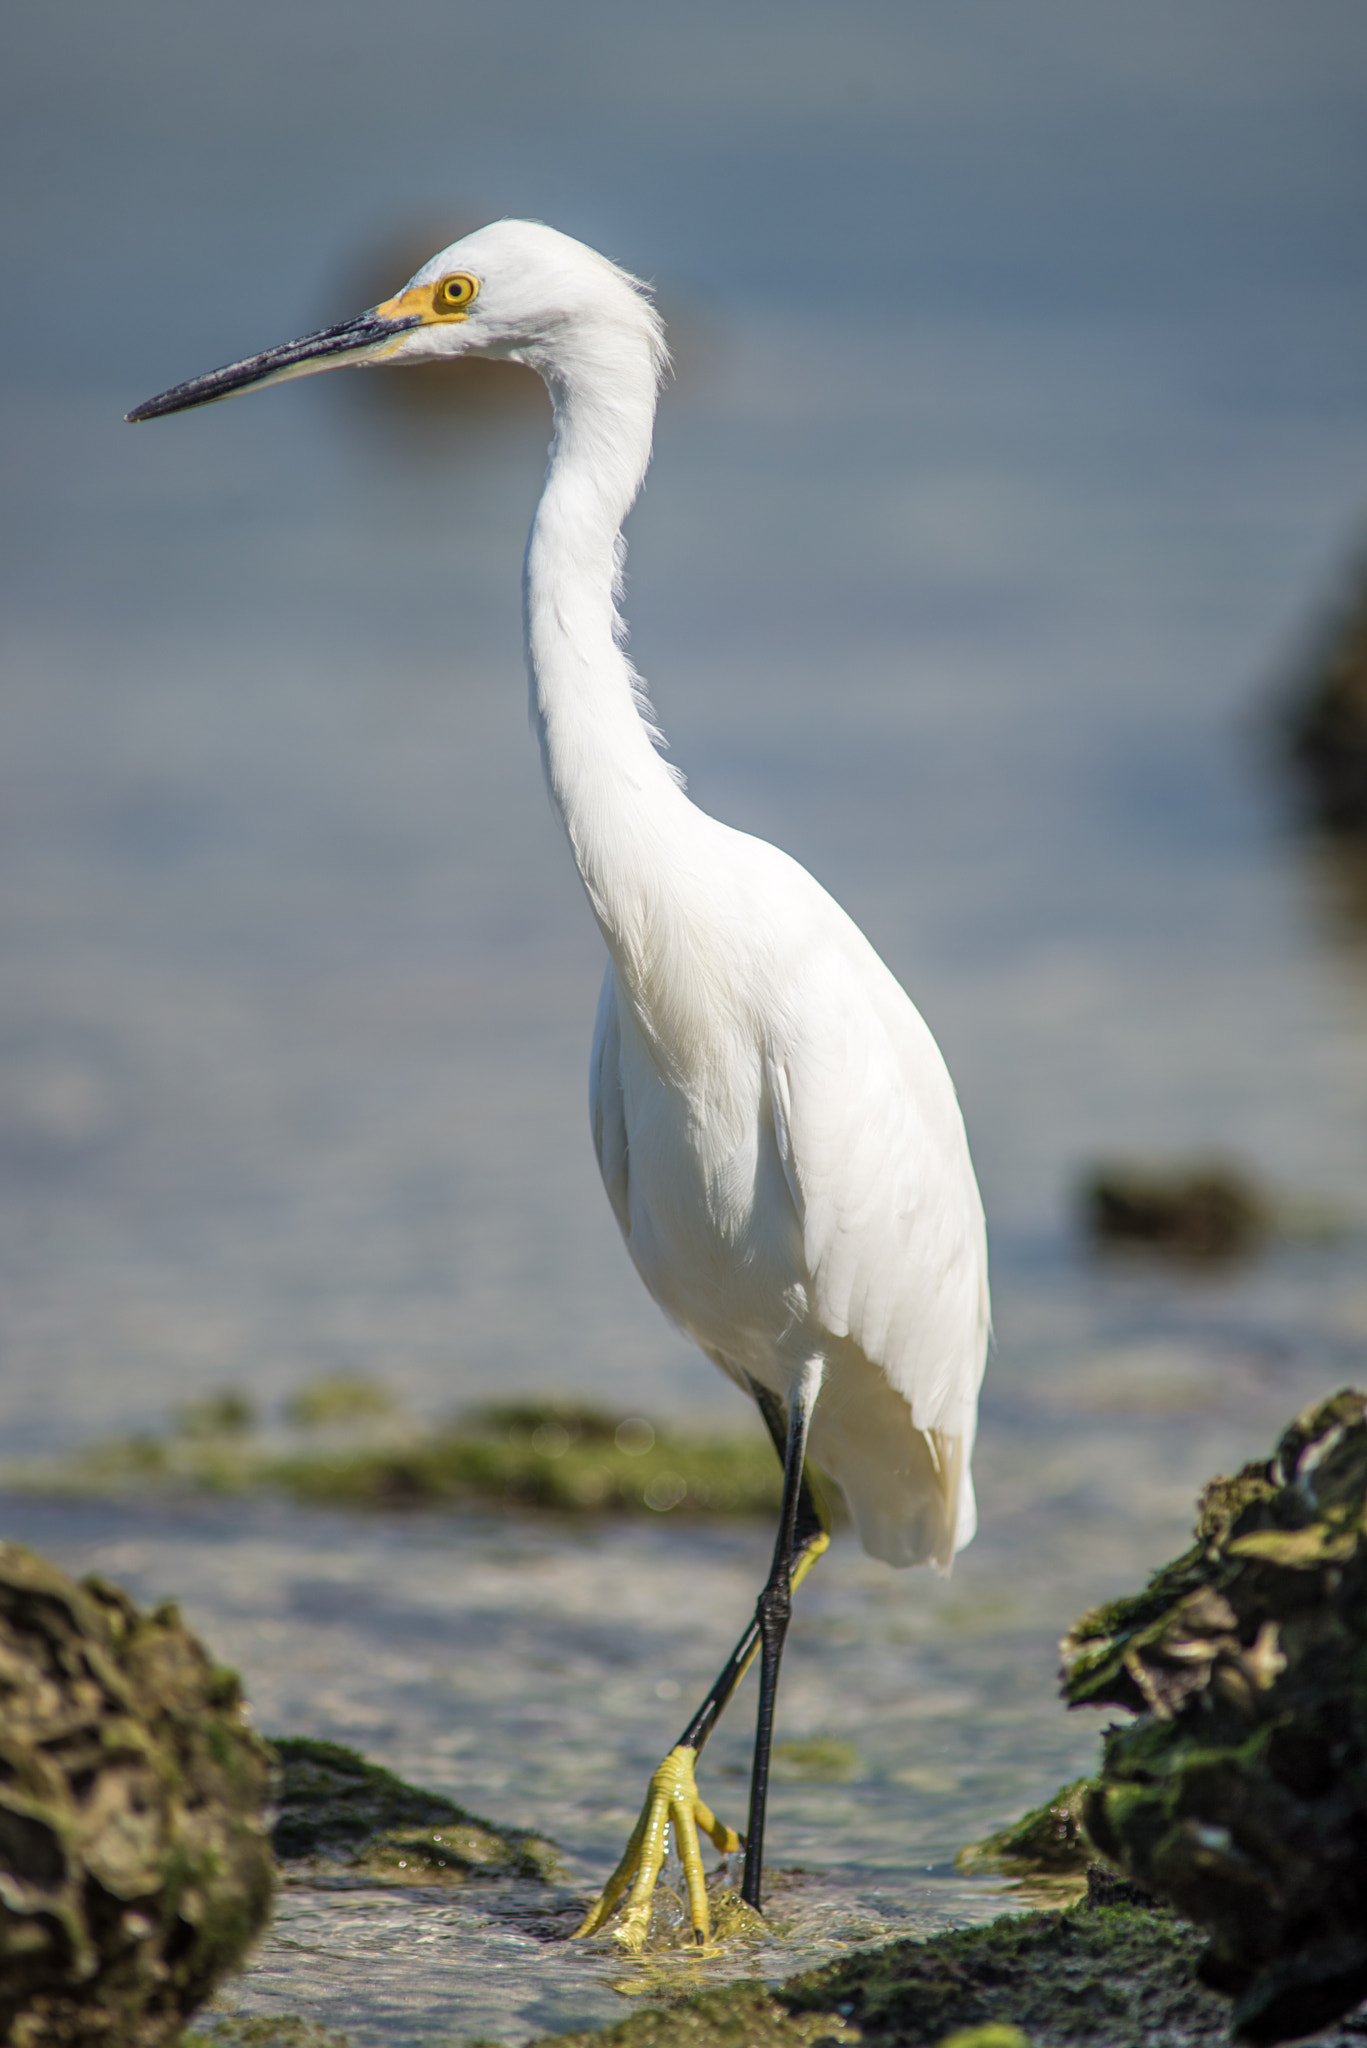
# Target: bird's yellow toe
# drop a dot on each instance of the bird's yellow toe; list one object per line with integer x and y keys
{"x": 673, "y": 1801}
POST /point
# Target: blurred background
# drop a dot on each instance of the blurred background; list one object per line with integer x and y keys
{"x": 1018, "y": 439}
{"x": 1013, "y": 471}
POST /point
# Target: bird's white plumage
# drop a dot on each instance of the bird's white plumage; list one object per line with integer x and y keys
{"x": 776, "y": 1130}
{"x": 800, "y": 1186}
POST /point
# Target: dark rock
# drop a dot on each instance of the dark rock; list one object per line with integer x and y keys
{"x": 1326, "y": 727}
{"x": 1105, "y": 1887}
{"x": 1205, "y": 1212}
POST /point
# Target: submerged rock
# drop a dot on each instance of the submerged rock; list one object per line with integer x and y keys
{"x": 1326, "y": 726}
{"x": 1204, "y": 1212}
{"x": 338, "y": 1812}
{"x": 1239, "y": 1792}
{"x": 135, "y": 1868}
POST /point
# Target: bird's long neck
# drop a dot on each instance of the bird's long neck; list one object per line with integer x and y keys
{"x": 627, "y": 820}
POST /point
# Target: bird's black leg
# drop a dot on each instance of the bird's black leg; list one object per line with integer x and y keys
{"x": 809, "y": 1535}
{"x": 773, "y": 1613}
{"x": 810, "y": 1525}
{"x": 673, "y": 1802}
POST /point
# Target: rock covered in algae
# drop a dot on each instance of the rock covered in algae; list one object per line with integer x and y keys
{"x": 1239, "y": 1792}
{"x": 135, "y": 1867}
{"x": 1046, "y": 1848}
{"x": 338, "y": 1810}
{"x": 1109, "y": 1977}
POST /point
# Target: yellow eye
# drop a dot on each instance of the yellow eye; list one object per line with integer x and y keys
{"x": 453, "y": 294}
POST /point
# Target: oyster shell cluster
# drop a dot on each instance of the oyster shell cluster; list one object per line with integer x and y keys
{"x": 135, "y": 1862}
{"x": 1239, "y": 1791}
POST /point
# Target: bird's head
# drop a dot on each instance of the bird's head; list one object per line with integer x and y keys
{"x": 515, "y": 289}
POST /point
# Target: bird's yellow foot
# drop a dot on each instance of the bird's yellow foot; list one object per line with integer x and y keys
{"x": 672, "y": 1801}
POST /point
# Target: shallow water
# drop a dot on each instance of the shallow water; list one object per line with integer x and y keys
{"x": 989, "y": 502}
{"x": 536, "y": 1671}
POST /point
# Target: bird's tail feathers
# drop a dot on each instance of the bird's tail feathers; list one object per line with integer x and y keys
{"x": 959, "y": 1514}
{"x": 910, "y": 1491}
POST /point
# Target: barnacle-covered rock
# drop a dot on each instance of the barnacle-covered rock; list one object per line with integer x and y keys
{"x": 135, "y": 1867}
{"x": 1240, "y": 1791}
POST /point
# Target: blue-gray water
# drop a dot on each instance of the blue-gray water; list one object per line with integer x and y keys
{"x": 1020, "y": 429}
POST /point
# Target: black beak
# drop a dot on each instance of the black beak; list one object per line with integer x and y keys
{"x": 329, "y": 349}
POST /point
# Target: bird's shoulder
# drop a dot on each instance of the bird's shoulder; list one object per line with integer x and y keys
{"x": 827, "y": 993}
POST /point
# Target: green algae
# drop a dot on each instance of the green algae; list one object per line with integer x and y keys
{"x": 337, "y": 1811}
{"x": 340, "y": 1397}
{"x": 1111, "y": 1976}
{"x": 558, "y": 1457}
{"x": 744, "y": 2015}
{"x": 822, "y": 1760}
{"x": 228, "y": 1412}
{"x": 1239, "y": 1791}
{"x": 569, "y": 1461}
{"x": 135, "y": 1869}
{"x": 287, "y": 2031}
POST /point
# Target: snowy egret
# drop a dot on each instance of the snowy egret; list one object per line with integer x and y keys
{"x": 776, "y": 1129}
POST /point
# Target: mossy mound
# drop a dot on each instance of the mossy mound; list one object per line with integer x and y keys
{"x": 338, "y": 1398}
{"x": 338, "y": 1810}
{"x": 570, "y": 1460}
{"x": 1116, "y": 1974}
{"x": 820, "y": 1760}
{"x": 135, "y": 1868}
{"x": 526, "y": 1455}
{"x": 992, "y": 2036}
{"x": 1240, "y": 1791}
{"x": 1110, "y": 1976}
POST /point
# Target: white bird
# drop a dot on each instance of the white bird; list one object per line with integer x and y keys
{"x": 776, "y": 1129}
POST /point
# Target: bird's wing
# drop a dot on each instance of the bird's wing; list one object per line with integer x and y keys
{"x": 876, "y": 1160}
{"x": 605, "y": 1103}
